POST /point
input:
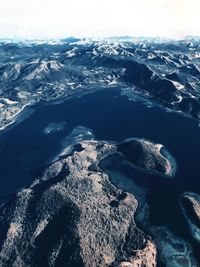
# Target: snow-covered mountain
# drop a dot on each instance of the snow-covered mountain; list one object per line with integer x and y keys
{"x": 31, "y": 71}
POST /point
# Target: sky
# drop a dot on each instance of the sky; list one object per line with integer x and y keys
{"x": 41, "y": 19}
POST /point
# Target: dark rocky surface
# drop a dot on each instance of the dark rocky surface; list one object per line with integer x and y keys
{"x": 148, "y": 156}
{"x": 190, "y": 204}
{"x": 74, "y": 216}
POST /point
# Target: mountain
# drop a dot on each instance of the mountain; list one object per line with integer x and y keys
{"x": 33, "y": 71}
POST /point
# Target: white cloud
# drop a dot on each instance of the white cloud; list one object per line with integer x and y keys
{"x": 61, "y": 18}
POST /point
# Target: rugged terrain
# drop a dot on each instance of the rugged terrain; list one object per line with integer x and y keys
{"x": 165, "y": 71}
{"x": 74, "y": 216}
{"x": 190, "y": 204}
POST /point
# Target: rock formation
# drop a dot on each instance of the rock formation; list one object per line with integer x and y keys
{"x": 190, "y": 204}
{"x": 74, "y": 216}
{"x": 148, "y": 156}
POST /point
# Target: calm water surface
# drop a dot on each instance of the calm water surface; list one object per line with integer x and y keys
{"x": 25, "y": 148}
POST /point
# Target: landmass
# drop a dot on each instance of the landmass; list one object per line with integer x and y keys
{"x": 160, "y": 70}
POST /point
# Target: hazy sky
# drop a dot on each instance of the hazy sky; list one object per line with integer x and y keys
{"x": 98, "y": 18}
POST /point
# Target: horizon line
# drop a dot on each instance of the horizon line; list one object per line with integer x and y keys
{"x": 29, "y": 39}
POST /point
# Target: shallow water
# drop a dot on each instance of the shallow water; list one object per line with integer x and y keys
{"x": 25, "y": 148}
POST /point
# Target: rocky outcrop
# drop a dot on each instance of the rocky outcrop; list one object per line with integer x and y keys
{"x": 74, "y": 216}
{"x": 148, "y": 156}
{"x": 145, "y": 257}
{"x": 190, "y": 205}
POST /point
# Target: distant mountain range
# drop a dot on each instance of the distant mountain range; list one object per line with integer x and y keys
{"x": 166, "y": 71}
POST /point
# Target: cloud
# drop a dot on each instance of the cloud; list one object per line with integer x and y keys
{"x": 60, "y": 18}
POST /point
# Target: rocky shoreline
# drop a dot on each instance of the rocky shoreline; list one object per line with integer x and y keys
{"x": 74, "y": 216}
{"x": 93, "y": 221}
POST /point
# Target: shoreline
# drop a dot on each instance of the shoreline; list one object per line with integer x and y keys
{"x": 18, "y": 117}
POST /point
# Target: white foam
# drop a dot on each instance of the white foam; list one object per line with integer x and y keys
{"x": 53, "y": 127}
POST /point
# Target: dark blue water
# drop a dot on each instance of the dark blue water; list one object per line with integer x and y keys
{"x": 25, "y": 149}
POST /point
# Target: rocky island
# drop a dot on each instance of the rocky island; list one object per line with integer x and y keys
{"x": 148, "y": 156}
{"x": 190, "y": 205}
{"x": 93, "y": 221}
